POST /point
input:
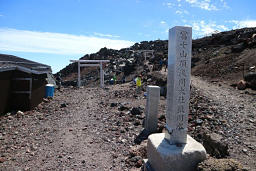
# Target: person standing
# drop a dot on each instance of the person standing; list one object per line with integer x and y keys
{"x": 123, "y": 79}
{"x": 161, "y": 64}
{"x": 138, "y": 83}
{"x": 58, "y": 80}
{"x": 114, "y": 78}
{"x": 166, "y": 64}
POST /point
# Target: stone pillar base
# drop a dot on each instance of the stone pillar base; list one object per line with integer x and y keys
{"x": 147, "y": 166}
{"x": 165, "y": 157}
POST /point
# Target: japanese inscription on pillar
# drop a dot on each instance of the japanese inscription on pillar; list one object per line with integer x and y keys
{"x": 178, "y": 84}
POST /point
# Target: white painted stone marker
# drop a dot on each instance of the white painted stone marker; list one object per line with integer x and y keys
{"x": 175, "y": 150}
{"x": 153, "y": 97}
{"x": 178, "y": 84}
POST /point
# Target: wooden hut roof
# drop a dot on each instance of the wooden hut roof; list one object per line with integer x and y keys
{"x": 10, "y": 62}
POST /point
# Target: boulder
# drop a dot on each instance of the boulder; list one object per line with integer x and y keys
{"x": 214, "y": 145}
{"x": 139, "y": 150}
{"x": 123, "y": 107}
{"x": 128, "y": 68}
{"x": 2, "y": 160}
{"x": 241, "y": 85}
{"x": 63, "y": 105}
{"x": 136, "y": 111}
{"x": 250, "y": 78}
{"x": 113, "y": 104}
{"x": 238, "y": 48}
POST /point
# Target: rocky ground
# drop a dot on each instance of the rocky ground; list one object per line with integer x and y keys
{"x": 80, "y": 129}
{"x": 101, "y": 129}
{"x": 228, "y": 115}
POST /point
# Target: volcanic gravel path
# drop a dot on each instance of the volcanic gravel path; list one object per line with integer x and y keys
{"x": 77, "y": 130}
{"x": 94, "y": 129}
{"x": 236, "y": 110}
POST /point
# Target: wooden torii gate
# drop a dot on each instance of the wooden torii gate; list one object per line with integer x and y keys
{"x": 145, "y": 53}
{"x": 84, "y": 63}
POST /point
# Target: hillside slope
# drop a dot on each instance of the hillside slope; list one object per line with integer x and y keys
{"x": 223, "y": 56}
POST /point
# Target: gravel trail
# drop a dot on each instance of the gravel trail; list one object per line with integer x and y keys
{"x": 237, "y": 110}
{"x": 94, "y": 129}
{"x": 63, "y": 134}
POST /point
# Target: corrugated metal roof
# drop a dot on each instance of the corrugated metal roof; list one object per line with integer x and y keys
{"x": 10, "y": 62}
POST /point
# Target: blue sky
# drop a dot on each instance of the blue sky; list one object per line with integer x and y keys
{"x": 54, "y": 31}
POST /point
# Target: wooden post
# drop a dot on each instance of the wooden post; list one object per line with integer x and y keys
{"x": 30, "y": 87}
{"x": 79, "y": 79}
{"x": 101, "y": 75}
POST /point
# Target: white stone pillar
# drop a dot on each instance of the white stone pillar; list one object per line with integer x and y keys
{"x": 101, "y": 76}
{"x": 178, "y": 84}
{"x": 153, "y": 97}
{"x": 103, "y": 73}
{"x": 78, "y": 76}
{"x": 176, "y": 150}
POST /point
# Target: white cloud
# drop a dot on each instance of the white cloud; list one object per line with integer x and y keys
{"x": 185, "y": 12}
{"x": 202, "y": 28}
{"x": 178, "y": 12}
{"x": 243, "y": 23}
{"x": 225, "y": 5}
{"x": 191, "y": 1}
{"x": 162, "y": 22}
{"x": 169, "y": 4}
{"x": 203, "y": 4}
{"x": 206, "y": 28}
{"x": 222, "y": 27}
{"x": 196, "y": 27}
{"x": 209, "y": 5}
{"x": 1, "y": 15}
{"x": 181, "y": 12}
{"x": 55, "y": 43}
{"x": 105, "y": 35}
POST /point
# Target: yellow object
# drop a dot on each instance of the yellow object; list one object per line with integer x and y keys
{"x": 138, "y": 81}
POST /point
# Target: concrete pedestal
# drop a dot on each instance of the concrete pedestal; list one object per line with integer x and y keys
{"x": 165, "y": 157}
